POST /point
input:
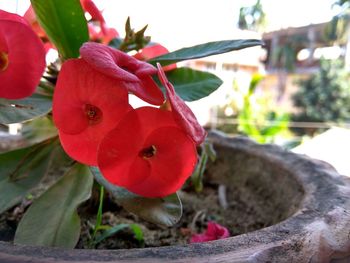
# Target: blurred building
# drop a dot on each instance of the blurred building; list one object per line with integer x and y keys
{"x": 294, "y": 53}
{"x": 234, "y": 68}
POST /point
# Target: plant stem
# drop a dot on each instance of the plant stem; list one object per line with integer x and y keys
{"x": 99, "y": 215}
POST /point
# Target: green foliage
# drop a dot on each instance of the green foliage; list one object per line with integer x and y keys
{"x": 14, "y": 111}
{"x": 23, "y": 169}
{"x": 106, "y": 231}
{"x": 192, "y": 84}
{"x": 52, "y": 219}
{"x": 98, "y": 223}
{"x": 64, "y": 24}
{"x": 252, "y": 122}
{"x": 197, "y": 177}
{"x": 342, "y": 3}
{"x": 325, "y": 96}
{"x": 109, "y": 231}
{"x": 256, "y": 118}
{"x": 337, "y": 29}
{"x": 133, "y": 40}
{"x": 205, "y": 50}
{"x": 252, "y": 17}
{"x": 285, "y": 55}
{"x": 38, "y": 130}
{"x": 165, "y": 211}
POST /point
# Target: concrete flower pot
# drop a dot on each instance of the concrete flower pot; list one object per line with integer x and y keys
{"x": 308, "y": 200}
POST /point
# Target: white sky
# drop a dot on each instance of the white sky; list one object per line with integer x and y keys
{"x": 182, "y": 23}
{"x": 187, "y": 22}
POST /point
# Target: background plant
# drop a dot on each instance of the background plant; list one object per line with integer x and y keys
{"x": 325, "y": 96}
{"x": 255, "y": 117}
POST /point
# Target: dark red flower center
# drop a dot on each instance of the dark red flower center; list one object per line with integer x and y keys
{"x": 93, "y": 113}
{"x": 148, "y": 152}
{"x": 4, "y": 61}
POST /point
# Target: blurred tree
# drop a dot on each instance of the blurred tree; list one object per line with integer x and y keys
{"x": 252, "y": 17}
{"x": 325, "y": 96}
{"x": 338, "y": 28}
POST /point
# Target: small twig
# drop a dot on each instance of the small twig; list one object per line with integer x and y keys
{"x": 222, "y": 196}
{"x": 195, "y": 218}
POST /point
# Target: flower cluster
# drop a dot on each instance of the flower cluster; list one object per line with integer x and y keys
{"x": 150, "y": 151}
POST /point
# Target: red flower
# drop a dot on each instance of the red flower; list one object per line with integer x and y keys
{"x": 116, "y": 64}
{"x": 106, "y": 34}
{"x": 90, "y": 7}
{"x": 182, "y": 113}
{"x": 86, "y": 105}
{"x": 99, "y": 36}
{"x": 22, "y": 57}
{"x": 154, "y": 51}
{"x": 30, "y": 17}
{"x": 147, "y": 153}
{"x": 214, "y": 231}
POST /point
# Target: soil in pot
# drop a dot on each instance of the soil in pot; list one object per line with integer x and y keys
{"x": 238, "y": 209}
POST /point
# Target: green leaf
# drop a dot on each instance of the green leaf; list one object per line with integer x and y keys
{"x": 99, "y": 213}
{"x": 38, "y": 130}
{"x": 136, "y": 229}
{"x": 22, "y": 170}
{"x": 14, "y": 111}
{"x": 205, "y": 50}
{"x": 197, "y": 176}
{"x": 110, "y": 232}
{"x": 209, "y": 149}
{"x": 64, "y": 24}
{"x": 52, "y": 219}
{"x": 165, "y": 211}
{"x": 138, "y": 234}
{"x": 192, "y": 84}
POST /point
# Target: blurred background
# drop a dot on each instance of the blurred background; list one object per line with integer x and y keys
{"x": 294, "y": 91}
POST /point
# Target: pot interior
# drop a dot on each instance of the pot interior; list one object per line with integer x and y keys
{"x": 265, "y": 184}
{"x": 245, "y": 189}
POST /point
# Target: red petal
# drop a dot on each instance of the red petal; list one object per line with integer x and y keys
{"x": 120, "y": 147}
{"x": 121, "y": 66}
{"x": 151, "y": 52}
{"x": 108, "y": 34}
{"x": 154, "y": 51}
{"x": 182, "y": 113}
{"x": 79, "y": 85}
{"x": 30, "y": 17}
{"x": 214, "y": 232}
{"x": 26, "y": 56}
{"x": 121, "y": 163}
{"x": 12, "y": 17}
{"x": 173, "y": 163}
{"x": 217, "y": 231}
{"x": 90, "y": 7}
{"x": 113, "y": 62}
{"x": 117, "y": 150}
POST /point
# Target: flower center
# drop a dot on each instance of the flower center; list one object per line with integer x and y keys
{"x": 4, "y": 61}
{"x": 148, "y": 152}
{"x": 93, "y": 113}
